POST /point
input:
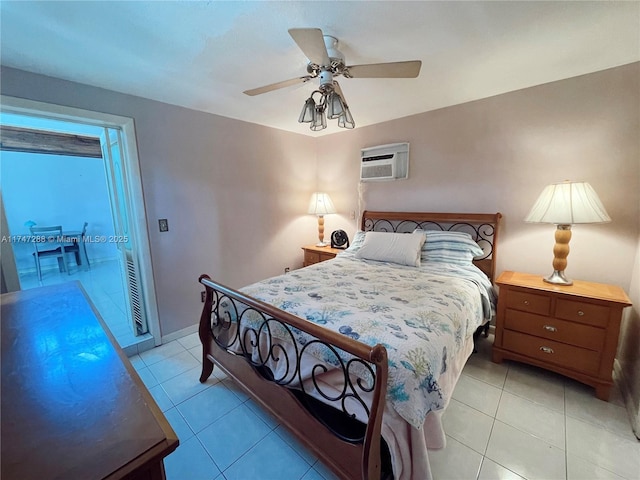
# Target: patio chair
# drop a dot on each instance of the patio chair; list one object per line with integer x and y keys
{"x": 48, "y": 242}
{"x": 77, "y": 244}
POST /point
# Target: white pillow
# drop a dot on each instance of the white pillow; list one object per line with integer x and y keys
{"x": 400, "y": 248}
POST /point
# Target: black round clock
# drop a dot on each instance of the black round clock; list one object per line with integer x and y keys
{"x": 339, "y": 239}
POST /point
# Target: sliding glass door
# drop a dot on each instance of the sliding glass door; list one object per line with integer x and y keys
{"x": 125, "y": 236}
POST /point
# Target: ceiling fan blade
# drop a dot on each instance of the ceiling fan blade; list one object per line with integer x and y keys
{"x": 410, "y": 69}
{"x": 276, "y": 86}
{"x": 311, "y": 42}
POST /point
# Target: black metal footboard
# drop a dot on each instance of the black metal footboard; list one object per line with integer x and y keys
{"x": 328, "y": 389}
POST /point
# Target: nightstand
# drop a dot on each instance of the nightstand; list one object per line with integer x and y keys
{"x": 572, "y": 330}
{"x": 314, "y": 254}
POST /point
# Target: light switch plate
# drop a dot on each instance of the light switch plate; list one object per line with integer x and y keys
{"x": 163, "y": 224}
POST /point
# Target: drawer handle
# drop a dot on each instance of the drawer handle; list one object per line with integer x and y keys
{"x": 580, "y": 313}
{"x": 550, "y": 328}
{"x": 546, "y": 349}
{"x": 526, "y": 302}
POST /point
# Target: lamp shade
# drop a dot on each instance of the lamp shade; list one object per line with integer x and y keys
{"x": 335, "y": 106}
{"x": 346, "y": 120}
{"x": 308, "y": 114}
{"x": 568, "y": 203}
{"x": 320, "y": 204}
{"x": 320, "y": 120}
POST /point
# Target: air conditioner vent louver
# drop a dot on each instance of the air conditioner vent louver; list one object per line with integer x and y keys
{"x": 134, "y": 294}
{"x": 377, "y": 171}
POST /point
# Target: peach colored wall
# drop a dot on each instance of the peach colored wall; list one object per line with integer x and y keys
{"x": 235, "y": 196}
{"x": 497, "y": 154}
{"x": 234, "y": 193}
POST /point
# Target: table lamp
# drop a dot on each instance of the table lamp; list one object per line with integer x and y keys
{"x": 320, "y": 205}
{"x": 565, "y": 204}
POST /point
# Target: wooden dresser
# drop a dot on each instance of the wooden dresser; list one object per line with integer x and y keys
{"x": 572, "y": 330}
{"x": 314, "y": 254}
{"x": 73, "y": 407}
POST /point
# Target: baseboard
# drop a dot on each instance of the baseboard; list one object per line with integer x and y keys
{"x": 143, "y": 343}
{"x": 623, "y": 383}
{"x": 179, "y": 334}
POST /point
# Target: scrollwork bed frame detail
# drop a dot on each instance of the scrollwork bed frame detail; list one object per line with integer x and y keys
{"x": 237, "y": 332}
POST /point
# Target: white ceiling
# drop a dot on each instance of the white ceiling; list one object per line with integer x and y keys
{"x": 203, "y": 55}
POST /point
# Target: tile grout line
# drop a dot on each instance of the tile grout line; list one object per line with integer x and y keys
{"x": 495, "y": 416}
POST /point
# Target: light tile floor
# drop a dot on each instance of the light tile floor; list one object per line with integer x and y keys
{"x": 507, "y": 421}
{"x": 103, "y": 283}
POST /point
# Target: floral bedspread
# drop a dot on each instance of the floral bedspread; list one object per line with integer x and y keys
{"x": 421, "y": 315}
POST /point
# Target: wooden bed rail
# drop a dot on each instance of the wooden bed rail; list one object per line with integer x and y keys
{"x": 244, "y": 337}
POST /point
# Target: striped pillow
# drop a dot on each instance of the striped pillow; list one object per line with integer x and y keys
{"x": 356, "y": 244}
{"x": 450, "y": 247}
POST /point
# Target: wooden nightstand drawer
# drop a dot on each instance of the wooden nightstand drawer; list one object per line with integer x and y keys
{"x": 554, "y": 329}
{"x": 529, "y": 302}
{"x": 583, "y": 312}
{"x": 326, "y": 256}
{"x": 314, "y": 254}
{"x": 548, "y": 351}
{"x": 311, "y": 257}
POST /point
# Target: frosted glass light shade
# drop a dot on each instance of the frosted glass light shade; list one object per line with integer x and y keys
{"x": 335, "y": 106}
{"x": 320, "y": 120}
{"x": 320, "y": 204}
{"x": 346, "y": 120}
{"x": 568, "y": 203}
{"x": 308, "y": 114}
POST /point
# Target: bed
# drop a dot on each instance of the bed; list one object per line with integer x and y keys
{"x": 358, "y": 356}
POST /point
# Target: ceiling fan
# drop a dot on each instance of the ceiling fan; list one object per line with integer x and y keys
{"x": 325, "y": 63}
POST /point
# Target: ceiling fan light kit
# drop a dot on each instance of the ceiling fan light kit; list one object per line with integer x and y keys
{"x": 325, "y": 63}
{"x": 329, "y": 106}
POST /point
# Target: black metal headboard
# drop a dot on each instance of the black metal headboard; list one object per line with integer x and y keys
{"x": 483, "y": 227}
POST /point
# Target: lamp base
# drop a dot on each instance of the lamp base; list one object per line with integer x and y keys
{"x": 322, "y": 244}
{"x": 558, "y": 278}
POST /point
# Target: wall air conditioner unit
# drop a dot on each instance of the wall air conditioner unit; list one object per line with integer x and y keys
{"x": 384, "y": 162}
